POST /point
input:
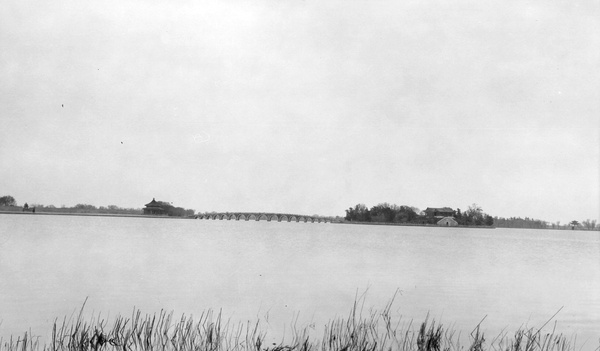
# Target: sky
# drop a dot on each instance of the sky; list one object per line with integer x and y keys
{"x": 305, "y": 107}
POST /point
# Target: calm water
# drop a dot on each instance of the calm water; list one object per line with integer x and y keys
{"x": 273, "y": 271}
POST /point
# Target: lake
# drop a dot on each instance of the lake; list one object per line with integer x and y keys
{"x": 279, "y": 271}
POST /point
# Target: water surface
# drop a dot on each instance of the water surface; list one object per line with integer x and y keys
{"x": 278, "y": 271}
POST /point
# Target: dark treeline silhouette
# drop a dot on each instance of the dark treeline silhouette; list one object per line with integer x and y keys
{"x": 169, "y": 209}
{"x": 173, "y": 211}
{"x": 8, "y": 203}
{"x": 87, "y": 208}
{"x": 518, "y": 222}
{"x": 474, "y": 215}
{"x": 386, "y": 213}
{"x": 383, "y": 212}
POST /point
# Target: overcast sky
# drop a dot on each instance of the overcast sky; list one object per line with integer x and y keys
{"x": 307, "y": 107}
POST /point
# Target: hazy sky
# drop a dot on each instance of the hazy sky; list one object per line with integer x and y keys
{"x": 303, "y": 106}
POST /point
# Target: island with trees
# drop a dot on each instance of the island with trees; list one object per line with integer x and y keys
{"x": 385, "y": 213}
{"x": 410, "y": 215}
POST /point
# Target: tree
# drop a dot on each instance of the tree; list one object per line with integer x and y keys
{"x": 173, "y": 211}
{"x": 359, "y": 213}
{"x": 474, "y": 210}
{"x": 489, "y": 220}
{"x": 382, "y": 213}
{"x": 459, "y": 217}
{"x": 574, "y": 224}
{"x": 405, "y": 214}
{"x": 85, "y": 207}
{"x": 589, "y": 224}
{"x": 7, "y": 200}
{"x": 350, "y": 215}
{"x": 474, "y": 215}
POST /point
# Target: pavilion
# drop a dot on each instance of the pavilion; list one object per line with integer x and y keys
{"x": 154, "y": 208}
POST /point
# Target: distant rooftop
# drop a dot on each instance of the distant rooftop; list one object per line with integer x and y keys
{"x": 439, "y": 209}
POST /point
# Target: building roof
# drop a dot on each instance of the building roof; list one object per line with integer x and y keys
{"x": 439, "y": 209}
{"x": 153, "y": 203}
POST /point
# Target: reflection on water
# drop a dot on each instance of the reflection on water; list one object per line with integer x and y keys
{"x": 273, "y": 271}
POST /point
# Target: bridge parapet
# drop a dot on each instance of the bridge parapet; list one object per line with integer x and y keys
{"x": 258, "y": 216}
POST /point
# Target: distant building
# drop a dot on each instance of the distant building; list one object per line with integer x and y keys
{"x": 433, "y": 212}
{"x": 447, "y": 222}
{"x": 154, "y": 208}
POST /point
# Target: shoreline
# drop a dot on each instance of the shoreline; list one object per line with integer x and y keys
{"x": 87, "y": 214}
{"x": 416, "y": 225}
{"x": 3, "y": 212}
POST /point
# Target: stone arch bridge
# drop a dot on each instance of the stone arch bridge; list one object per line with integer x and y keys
{"x": 258, "y": 216}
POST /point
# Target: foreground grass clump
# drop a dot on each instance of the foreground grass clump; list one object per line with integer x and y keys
{"x": 374, "y": 332}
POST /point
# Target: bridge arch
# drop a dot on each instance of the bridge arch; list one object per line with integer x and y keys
{"x": 259, "y": 216}
{"x": 274, "y": 216}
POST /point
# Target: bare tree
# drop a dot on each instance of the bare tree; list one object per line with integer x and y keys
{"x": 589, "y": 224}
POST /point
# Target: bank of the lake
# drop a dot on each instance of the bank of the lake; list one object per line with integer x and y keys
{"x": 85, "y": 214}
{"x": 414, "y": 224}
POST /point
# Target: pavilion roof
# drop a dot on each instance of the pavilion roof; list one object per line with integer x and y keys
{"x": 153, "y": 203}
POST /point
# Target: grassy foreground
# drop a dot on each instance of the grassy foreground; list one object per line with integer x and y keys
{"x": 375, "y": 331}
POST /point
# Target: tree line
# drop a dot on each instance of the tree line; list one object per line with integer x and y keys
{"x": 386, "y": 213}
{"x": 518, "y": 222}
{"x": 169, "y": 209}
{"x": 173, "y": 211}
{"x": 473, "y": 216}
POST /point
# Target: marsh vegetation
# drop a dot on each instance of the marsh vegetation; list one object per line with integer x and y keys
{"x": 360, "y": 330}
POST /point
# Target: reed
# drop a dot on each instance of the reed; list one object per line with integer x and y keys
{"x": 372, "y": 330}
